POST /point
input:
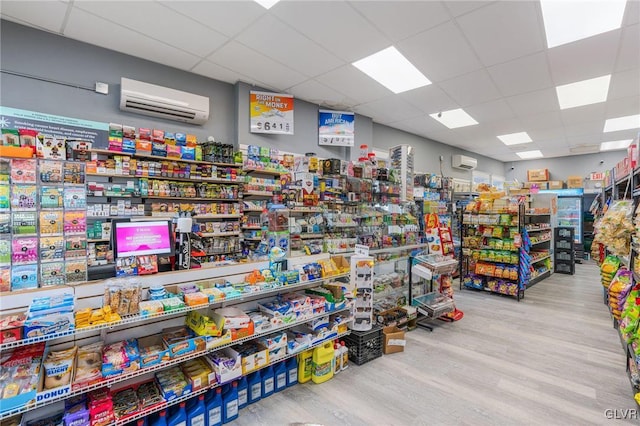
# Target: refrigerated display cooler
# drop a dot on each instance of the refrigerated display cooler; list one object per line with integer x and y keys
{"x": 570, "y": 215}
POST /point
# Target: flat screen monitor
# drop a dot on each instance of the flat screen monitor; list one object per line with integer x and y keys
{"x": 143, "y": 238}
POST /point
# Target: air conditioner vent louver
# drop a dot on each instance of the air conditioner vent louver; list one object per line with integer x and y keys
{"x": 163, "y": 102}
{"x": 142, "y": 108}
{"x": 463, "y": 162}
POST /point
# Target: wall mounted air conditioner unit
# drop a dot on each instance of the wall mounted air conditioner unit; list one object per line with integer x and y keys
{"x": 163, "y": 102}
{"x": 464, "y": 162}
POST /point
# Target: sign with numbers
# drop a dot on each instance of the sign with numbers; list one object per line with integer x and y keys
{"x": 271, "y": 113}
{"x": 336, "y": 128}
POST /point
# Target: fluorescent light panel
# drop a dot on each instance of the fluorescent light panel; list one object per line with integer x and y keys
{"x": 615, "y": 145}
{"x": 454, "y": 118}
{"x": 622, "y": 123}
{"x": 568, "y": 21}
{"x": 530, "y": 155}
{"x": 389, "y": 68}
{"x": 267, "y": 4}
{"x": 515, "y": 138}
{"x": 585, "y": 92}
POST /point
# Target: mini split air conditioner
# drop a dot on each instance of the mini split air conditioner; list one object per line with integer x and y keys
{"x": 163, "y": 102}
{"x": 464, "y": 162}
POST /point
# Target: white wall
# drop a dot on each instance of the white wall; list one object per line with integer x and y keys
{"x": 561, "y": 167}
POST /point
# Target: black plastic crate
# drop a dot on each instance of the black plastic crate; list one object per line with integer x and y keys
{"x": 564, "y": 233}
{"x": 564, "y": 245}
{"x": 564, "y": 255}
{"x": 364, "y": 346}
{"x": 564, "y": 267}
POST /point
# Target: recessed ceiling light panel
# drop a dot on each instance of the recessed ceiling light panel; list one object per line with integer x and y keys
{"x": 622, "y": 123}
{"x": 585, "y": 92}
{"x": 530, "y": 155}
{"x": 615, "y": 145}
{"x": 267, "y": 4}
{"x": 391, "y": 69}
{"x": 454, "y": 118}
{"x": 515, "y": 138}
{"x": 568, "y": 21}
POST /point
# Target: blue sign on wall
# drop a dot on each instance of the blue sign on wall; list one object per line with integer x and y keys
{"x": 55, "y": 125}
{"x": 336, "y": 128}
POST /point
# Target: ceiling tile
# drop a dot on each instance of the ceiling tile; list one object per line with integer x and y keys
{"x": 522, "y": 75}
{"x": 553, "y": 142}
{"x": 503, "y": 127}
{"x": 583, "y": 59}
{"x": 423, "y": 125}
{"x": 246, "y": 61}
{"x": 293, "y": 48}
{"x": 48, "y": 15}
{"x": 622, "y": 107}
{"x": 541, "y": 133}
{"x": 458, "y": 8}
{"x": 390, "y": 109}
{"x": 629, "y": 55}
{"x": 401, "y": 19}
{"x": 440, "y": 53}
{"x": 631, "y": 13}
{"x": 336, "y": 26}
{"x": 228, "y": 17}
{"x": 583, "y": 114}
{"x": 354, "y": 83}
{"x": 534, "y": 102}
{"x": 187, "y": 35}
{"x": 490, "y": 111}
{"x": 93, "y": 30}
{"x": 583, "y": 129}
{"x": 313, "y": 91}
{"x": 593, "y": 139}
{"x": 472, "y": 88}
{"x": 430, "y": 99}
{"x": 548, "y": 120}
{"x": 215, "y": 71}
{"x": 503, "y": 31}
{"x": 624, "y": 84}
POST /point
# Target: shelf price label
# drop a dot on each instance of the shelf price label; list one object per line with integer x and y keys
{"x": 336, "y": 128}
{"x": 271, "y": 113}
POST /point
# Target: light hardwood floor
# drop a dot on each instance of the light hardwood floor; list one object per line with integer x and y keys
{"x": 554, "y": 358}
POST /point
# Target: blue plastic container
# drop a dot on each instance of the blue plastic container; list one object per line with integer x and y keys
{"x": 179, "y": 417}
{"x": 255, "y": 387}
{"x": 243, "y": 392}
{"x": 230, "y": 404}
{"x": 280, "y": 373}
{"x": 267, "y": 382}
{"x": 214, "y": 407}
{"x": 292, "y": 369}
{"x": 196, "y": 414}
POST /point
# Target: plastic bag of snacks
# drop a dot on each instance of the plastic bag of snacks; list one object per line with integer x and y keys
{"x": 615, "y": 228}
{"x": 618, "y": 290}
{"x": 608, "y": 269}
{"x": 122, "y": 295}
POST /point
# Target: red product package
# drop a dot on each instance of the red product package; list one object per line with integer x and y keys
{"x": 157, "y": 135}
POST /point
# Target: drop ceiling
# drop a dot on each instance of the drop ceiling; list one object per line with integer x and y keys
{"x": 489, "y": 58}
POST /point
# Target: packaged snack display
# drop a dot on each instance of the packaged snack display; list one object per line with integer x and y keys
{"x": 122, "y": 296}
{"x": 58, "y": 368}
{"x": 20, "y": 371}
{"x": 51, "y": 147}
{"x": 119, "y": 358}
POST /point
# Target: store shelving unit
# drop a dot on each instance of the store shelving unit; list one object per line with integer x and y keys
{"x": 485, "y": 251}
{"x": 140, "y": 320}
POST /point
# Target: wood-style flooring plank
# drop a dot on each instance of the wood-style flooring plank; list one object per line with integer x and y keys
{"x": 552, "y": 359}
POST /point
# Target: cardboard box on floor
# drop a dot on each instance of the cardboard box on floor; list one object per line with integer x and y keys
{"x": 394, "y": 340}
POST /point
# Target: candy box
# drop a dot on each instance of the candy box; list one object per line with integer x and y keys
{"x": 152, "y": 351}
{"x": 208, "y": 324}
{"x": 23, "y": 366}
{"x": 11, "y": 327}
{"x": 234, "y": 317}
{"x": 241, "y": 333}
{"x": 227, "y": 365}
{"x": 254, "y": 356}
{"x": 199, "y": 373}
{"x": 179, "y": 342}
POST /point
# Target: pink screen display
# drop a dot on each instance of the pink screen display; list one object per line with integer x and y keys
{"x": 142, "y": 238}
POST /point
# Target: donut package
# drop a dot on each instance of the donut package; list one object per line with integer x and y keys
{"x": 58, "y": 368}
